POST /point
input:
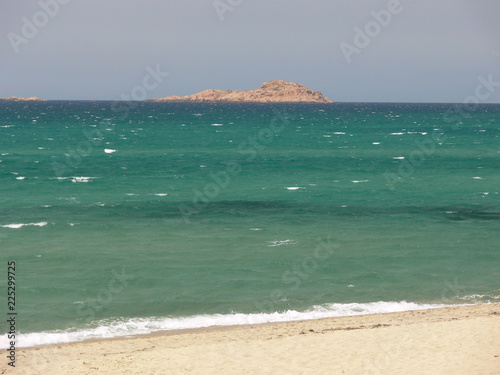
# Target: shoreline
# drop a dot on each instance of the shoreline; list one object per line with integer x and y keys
{"x": 220, "y": 325}
{"x": 466, "y": 335}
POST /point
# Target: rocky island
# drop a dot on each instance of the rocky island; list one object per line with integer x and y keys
{"x": 269, "y": 92}
{"x": 23, "y": 99}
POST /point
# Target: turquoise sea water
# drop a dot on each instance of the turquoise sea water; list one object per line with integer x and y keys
{"x": 126, "y": 220}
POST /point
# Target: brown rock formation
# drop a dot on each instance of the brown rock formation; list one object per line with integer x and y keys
{"x": 21, "y": 99}
{"x": 269, "y": 92}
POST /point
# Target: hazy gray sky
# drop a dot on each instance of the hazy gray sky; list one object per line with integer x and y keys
{"x": 425, "y": 51}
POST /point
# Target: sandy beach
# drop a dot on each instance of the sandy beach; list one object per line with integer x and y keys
{"x": 452, "y": 340}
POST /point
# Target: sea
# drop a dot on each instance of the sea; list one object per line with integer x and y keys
{"x": 127, "y": 218}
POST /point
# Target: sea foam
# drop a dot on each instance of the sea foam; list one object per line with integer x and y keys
{"x": 120, "y": 327}
{"x": 17, "y": 226}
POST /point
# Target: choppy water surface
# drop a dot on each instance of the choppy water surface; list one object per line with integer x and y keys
{"x": 188, "y": 215}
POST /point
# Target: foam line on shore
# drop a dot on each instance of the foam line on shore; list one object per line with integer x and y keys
{"x": 120, "y": 327}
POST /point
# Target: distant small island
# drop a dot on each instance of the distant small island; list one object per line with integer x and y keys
{"x": 23, "y": 99}
{"x": 269, "y": 92}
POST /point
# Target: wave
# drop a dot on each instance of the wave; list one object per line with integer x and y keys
{"x": 17, "y": 226}
{"x": 493, "y": 296}
{"x": 120, "y": 327}
{"x": 75, "y": 179}
{"x": 281, "y": 243}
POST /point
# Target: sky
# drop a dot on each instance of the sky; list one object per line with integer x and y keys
{"x": 351, "y": 51}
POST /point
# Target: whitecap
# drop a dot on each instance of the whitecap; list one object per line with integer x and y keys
{"x": 375, "y": 143}
{"x": 338, "y": 133}
{"x": 477, "y": 178}
{"x": 358, "y": 181}
{"x": 282, "y": 243}
{"x": 20, "y": 178}
{"x": 161, "y": 194}
{"x": 109, "y": 150}
{"x": 397, "y": 133}
{"x": 217, "y": 124}
{"x": 82, "y": 179}
{"x": 294, "y": 187}
{"x": 19, "y": 225}
{"x": 398, "y": 157}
